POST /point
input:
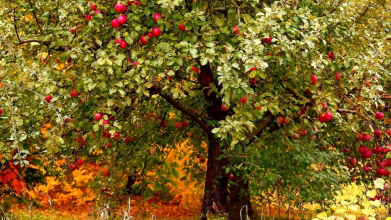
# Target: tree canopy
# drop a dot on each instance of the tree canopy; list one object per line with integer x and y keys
{"x": 283, "y": 87}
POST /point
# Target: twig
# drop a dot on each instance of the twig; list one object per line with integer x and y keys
{"x": 16, "y": 28}
{"x": 35, "y": 17}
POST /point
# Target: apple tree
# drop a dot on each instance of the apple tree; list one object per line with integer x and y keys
{"x": 279, "y": 91}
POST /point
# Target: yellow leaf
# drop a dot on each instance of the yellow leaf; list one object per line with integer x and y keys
{"x": 388, "y": 218}
{"x": 340, "y": 211}
{"x": 376, "y": 203}
{"x": 366, "y": 204}
{"x": 322, "y": 215}
{"x": 372, "y": 193}
{"x": 353, "y": 207}
{"x": 379, "y": 183}
{"x": 350, "y": 217}
{"x": 371, "y": 218}
{"x": 368, "y": 211}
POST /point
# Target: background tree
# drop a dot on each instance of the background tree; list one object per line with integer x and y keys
{"x": 276, "y": 90}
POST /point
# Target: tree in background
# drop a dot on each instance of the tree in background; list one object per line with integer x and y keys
{"x": 276, "y": 89}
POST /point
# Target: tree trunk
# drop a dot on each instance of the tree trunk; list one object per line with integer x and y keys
{"x": 131, "y": 181}
{"x": 218, "y": 199}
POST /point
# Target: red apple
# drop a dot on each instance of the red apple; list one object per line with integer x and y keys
{"x": 377, "y": 133}
{"x": 150, "y": 35}
{"x": 48, "y": 99}
{"x": 379, "y": 115}
{"x": 98, "y": 116}
{"x": 157, "y": 16}
{"x": 224, "y": 108}
{"x": 115, "y": 23}
{"x": 331, "y": 56}
{"x": 195, "y": 69}
{"x": 182, "y": 27}
{"x": 73, "y": 166}
{"x": 74, "y": 94}
{"x": 268, "y": 40}
{"x": 123, "y": 45}
{"x": 367, "y": 137}
{"x": 201, "y": 159}
{"x": 366, "y": 154}
{"x": 72, "y": 30}
{"x": 109, "y": 194}
{"x": 116, "y": 136}
{"x": 156, "y": 31}
{"x": 243, "y": 100}
{"x": 185, "y": 123}
{"x": 106, "y": 122}
{"x": 362, "y": 149}
{"x": 118, "y": 41}
{"x": 360, "y": 136}
{"x": 281, "y": 120}
{"x": 1, "y": 111}
{"x": 92, "y": 6}
{"x": 252, "y": 69}
{"x": 96, "y": 12}
{"x": 178, "y": 125}
{"x": 107, "y": 173}
{"x": 135, "y": 63}
{"x": 353, "y": 162}
{"x": 137, "y": 3}
{"x": 235, "y": 29}
{"x": 143, "y": 40}
{"x": 337, "y": 76}
{"x": 231, "y": 177}
{"x": 122, "y": 19}
{"x": 120, "y": 8}
{"x": 321, "y": 118}
{"x": 314, "y": 79}
{"x": 88, "y": 17}
{"x": 324, "y": 105}
{"x": 80, "y": 161}
{"x": 164, "y": 124}
{"x": 106, "y": 134}
{"x": 328, "y": 116}
{"x": 366, "y": 169}
{"x": 258, "y": 107}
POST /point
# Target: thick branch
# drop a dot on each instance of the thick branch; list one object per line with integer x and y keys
{"x": 342, "y": 111}
{"x": 183, "y": 109}
{"x": 296, "y": 94}
{"x": 268, "y": 119}
{"x": 29, "y": 41}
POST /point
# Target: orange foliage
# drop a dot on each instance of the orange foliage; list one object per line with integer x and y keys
{"x": 12, "y": 178}
{"x": 75, "y": 197}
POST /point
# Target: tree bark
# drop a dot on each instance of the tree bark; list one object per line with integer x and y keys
{"x": 219, "y": 197}
{"x": 131, "y": 181}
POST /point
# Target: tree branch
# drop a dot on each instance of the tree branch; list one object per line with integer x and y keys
{"x": 342, "y": 111}
{"x": 295, "y": 94}
{"x": 16, "y": 28}
{"x": 183, "y": 109}
{"x": 29, "y": 41}
{"x": 35, "y": 17}
{"x": 268, "y": 119}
